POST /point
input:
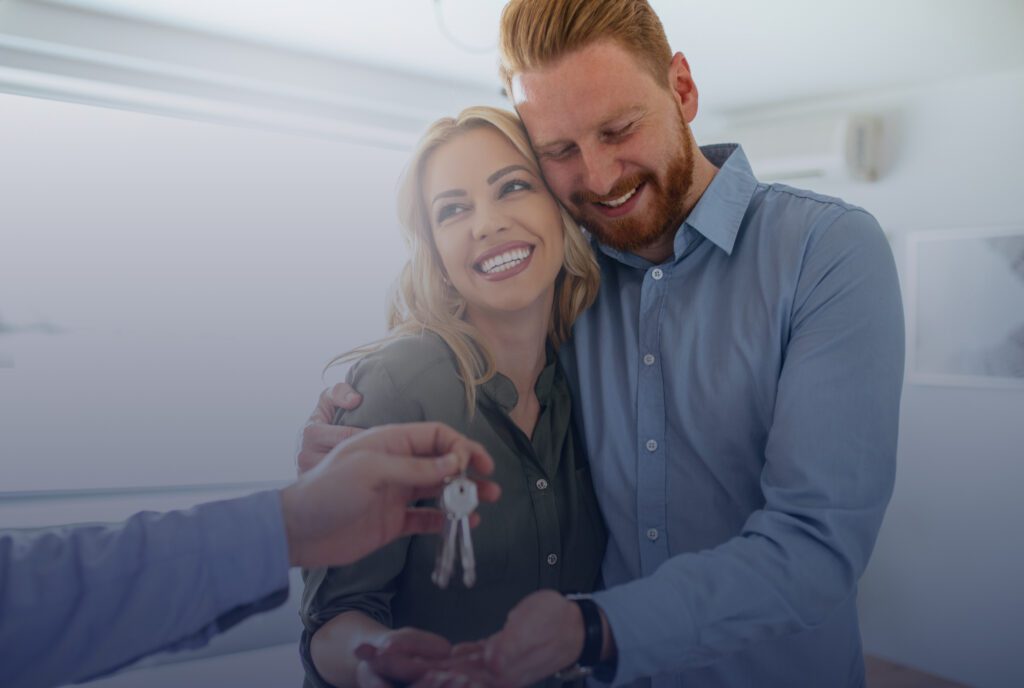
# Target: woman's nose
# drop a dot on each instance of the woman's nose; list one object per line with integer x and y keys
{"x": 488, "y": 221}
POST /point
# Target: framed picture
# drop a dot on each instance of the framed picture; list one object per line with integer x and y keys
{"x": 965, "y": 312}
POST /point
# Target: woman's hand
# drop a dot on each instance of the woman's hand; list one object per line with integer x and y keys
{"x": 401, "y": 656}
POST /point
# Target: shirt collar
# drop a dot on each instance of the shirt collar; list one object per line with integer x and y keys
{"x": 720, "y": 210}
{"x": 502, "y": 392}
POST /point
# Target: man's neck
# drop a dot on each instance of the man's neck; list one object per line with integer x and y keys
{"x": 662, "y": 248}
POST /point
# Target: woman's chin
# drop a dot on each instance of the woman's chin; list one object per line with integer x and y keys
{"x": 510, "y": 305}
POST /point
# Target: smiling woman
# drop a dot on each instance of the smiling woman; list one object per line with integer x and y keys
{"x": 497, "y": 274}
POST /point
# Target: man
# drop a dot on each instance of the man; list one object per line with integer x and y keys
{"x": 84, "y": 601}
{"x": 737, "y": 381}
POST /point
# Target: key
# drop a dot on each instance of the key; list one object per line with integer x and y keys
{"x": 445, "y": 562}
{"x": 458, "y": 501}
{"x": 445, "y": 554}
{"x": 468, "y": 558}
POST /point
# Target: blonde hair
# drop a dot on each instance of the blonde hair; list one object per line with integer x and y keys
{"x": 424, "y": 300}
{"x": 536, "y": 33}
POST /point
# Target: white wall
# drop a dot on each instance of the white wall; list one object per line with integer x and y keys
{"x": 944, "y": 588}
{"x": 202, "y": 276}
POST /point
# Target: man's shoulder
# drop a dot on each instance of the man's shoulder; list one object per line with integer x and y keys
{"x": 802, "y": 215}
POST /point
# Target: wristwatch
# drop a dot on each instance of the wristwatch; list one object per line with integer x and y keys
{"x": 593, "y": 641}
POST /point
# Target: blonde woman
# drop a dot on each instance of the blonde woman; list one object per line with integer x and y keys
{"x": 497, "y": 274}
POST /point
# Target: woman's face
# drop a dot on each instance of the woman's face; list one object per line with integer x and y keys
{"x": 496, "y": 227}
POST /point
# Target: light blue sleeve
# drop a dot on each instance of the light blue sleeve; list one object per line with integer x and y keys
{"x": 829, "y": 468}
{"x": 80, "y": 602}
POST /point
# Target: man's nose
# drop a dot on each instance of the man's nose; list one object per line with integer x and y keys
{"x": 600, "y": 170}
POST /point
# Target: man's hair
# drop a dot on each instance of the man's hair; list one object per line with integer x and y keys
{"x": 536, "y": 33}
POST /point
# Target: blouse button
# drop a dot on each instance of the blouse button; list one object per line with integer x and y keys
{"x": 657, "y": 273}
{"x": 552, "y": 559}
{"x": 542, "y": 484}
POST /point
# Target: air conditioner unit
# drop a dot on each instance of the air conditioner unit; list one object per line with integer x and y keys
{"x": 836, "y": 146}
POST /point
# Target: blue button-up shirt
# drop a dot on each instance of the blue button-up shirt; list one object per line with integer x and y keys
{"x": 740, "y": 404}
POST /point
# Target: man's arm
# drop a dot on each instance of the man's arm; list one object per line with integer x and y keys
{"x": 83, "y": 601}
{"x": 830, "y": 463}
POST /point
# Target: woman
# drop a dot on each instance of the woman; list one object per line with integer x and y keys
{"x": 497, "y": 275}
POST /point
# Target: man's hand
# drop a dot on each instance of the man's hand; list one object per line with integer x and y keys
{"x": 319, "y": 436}
{"x": 358, "y": 499}
{"x": 542, "y": 635}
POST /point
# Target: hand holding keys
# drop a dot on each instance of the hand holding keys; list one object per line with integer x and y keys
{"x": 458, "y": 501}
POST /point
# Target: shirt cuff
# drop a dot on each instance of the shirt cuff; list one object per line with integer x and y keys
{"x": 644, "y": 633}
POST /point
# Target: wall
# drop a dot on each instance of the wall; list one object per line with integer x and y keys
{"x": 943, "y": 590}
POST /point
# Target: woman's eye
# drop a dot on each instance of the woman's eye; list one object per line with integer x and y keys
{"x": 515, "y": 185}
{"x": 448, "y": 211}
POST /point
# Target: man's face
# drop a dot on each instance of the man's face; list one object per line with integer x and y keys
{"x": 613, "y": 144}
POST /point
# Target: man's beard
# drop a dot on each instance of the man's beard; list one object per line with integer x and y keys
{"x": 667, "y": 203}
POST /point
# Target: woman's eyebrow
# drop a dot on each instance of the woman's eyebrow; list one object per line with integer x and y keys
{"x": 505, "y": 170}
{"x": 448, "y": 194}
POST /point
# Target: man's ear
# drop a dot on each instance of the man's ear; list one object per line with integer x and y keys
{"x": 682, "y": 86}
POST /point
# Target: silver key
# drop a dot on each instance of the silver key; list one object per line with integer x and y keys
{"x": 468, "y": 557}
{"x": 446, "y": 553}
{"x": 458, "y": 501}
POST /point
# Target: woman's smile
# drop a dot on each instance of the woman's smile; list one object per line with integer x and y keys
{"x": 504, "y": 261}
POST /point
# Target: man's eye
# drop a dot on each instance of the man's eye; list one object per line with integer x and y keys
{"x": 448, "y": 211}
{"x": 513, "y": 186}
{"x": 560, "y": 153}
{"x": 620, "y": 132}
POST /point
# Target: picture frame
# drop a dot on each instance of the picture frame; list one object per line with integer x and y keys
{"x": 965, "y": 307}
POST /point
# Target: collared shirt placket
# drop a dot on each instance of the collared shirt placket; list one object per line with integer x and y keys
{"x": 652, "y": 450}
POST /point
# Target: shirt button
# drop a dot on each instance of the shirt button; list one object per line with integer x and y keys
{"x": 649, "y": 359}
{"x": 652, "y": 445}
{"x": 652, "y": 534}
{"x": 657, "y": 274}
{"x": 542, "y": 484}
{"x": 552, "y": 559}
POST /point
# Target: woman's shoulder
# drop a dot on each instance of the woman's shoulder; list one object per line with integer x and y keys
{"x": 409, "y": 363}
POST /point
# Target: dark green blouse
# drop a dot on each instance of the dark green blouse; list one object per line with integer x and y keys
{"x": 545, "y": 532}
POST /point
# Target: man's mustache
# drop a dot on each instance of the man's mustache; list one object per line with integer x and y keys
{"x": 621, "y": 188}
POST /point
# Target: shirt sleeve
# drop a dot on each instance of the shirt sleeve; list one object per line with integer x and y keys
{"x": 80, "y": 602}
{"x": 829, "y": 469}
{"x": 368, "y": 585}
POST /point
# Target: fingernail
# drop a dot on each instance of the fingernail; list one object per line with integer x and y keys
{"x": 351, "y": 397}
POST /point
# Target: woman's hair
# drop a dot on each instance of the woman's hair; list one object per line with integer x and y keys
{"x": 536, "y": 33}
{"x": 424, "y": 300}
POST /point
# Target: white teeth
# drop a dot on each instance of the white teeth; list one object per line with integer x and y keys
{"x": 620, "y": 200}
{"x": 505, "y": 261}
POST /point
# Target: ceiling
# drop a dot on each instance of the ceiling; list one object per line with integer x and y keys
{"x": 743, "y": 53}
